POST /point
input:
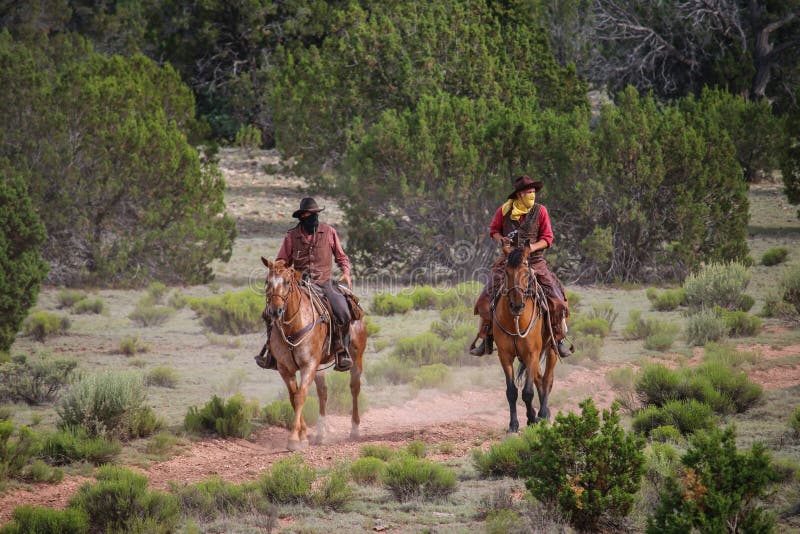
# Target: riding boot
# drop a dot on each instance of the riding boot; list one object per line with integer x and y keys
{"x": 264, "y": 358}
{"x": 559, "y": 332}
{"x": 483, "y": 341}
{"x": 343, "y": 360}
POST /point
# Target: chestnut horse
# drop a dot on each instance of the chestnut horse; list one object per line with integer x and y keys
{"x": 520, "y": 332}
{"x": 300, "y": 341}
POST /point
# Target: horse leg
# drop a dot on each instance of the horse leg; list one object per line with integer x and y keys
{"x": 511, "y": 395}
{"x": 528, "y": 394}
{"x": 355, "y": 389}
{"x": 306, "y": 377}
{"x": 291, "y": 385}
{"x": 546, "y": 382}
{"x": 322, "y": 393}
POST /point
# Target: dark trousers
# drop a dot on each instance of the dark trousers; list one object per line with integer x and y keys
{"x": 338, "y": 303}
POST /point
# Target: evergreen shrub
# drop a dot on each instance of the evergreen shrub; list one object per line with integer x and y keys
{"x": 35, "y": 381}
{"x": 367, "y": 470}
{"x": 231, "y": 313}
{"x": 73, "y": 444}
{"x": 409, "y": 477}
{"x": 388, "y": 304}
{"x": 288, "y": 481}
{"x": 227, "y": 419}
{"x": 717, "y": 284}
{"x": 43, "y": 324}
{"x": 29, "y": 519}
{"x": 774, "y": 256}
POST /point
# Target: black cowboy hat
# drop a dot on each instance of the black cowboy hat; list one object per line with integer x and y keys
{"x": 307, "y": 204}
{"x": 521, "y": 183}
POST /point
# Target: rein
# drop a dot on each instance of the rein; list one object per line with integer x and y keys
{"x": 295, "y": 339}
{"x": 527, "y": 293}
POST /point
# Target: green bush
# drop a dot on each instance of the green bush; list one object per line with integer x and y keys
{"x": 712, "y": 383}
{"x": 660, "y": 342}
{"x": 67, "y": 298}
{"x": 211, "y": 498}
{"x": 288, "y": 481}
{"x": 774, "y": 256}
{"x": 37, "y": 381}
{"x": 373, "y": 328}
{"x": 621, "y": 378}
{"x": 150, "y": 315}
{"x": 42, "y": 325}
{"x": 16, "y": 452}
{"x": 417, "y": 449}
{"x": 592, "y": 470}
{"x": 726, "y": 355}
{"x": 717, "y": 284}
{"x": 89, "y": 306}
{"x": 367, "y": 470}
{"x": 22, "y": 237}
{"x": 586, "y": 347}
{"x": 705, "y": 326}
{"x": 605, "y": 312}
{"x": 231, "y": 418}
{"x": 156, "y": 290}
{"x": 281, "y": 413}
{"x": 388, "y": 304}
{"x": 177, "y": 301}
{"x": 40, "y": 471}
{"x": 639, "y": 328}
{"x": 574, "y": 300}
{"x": 504, "y": 459}
{"x": 775, "y": 306}
{"x": 422, "y": 349}
{"x": 408, "y": 477}
{"x": 665, "y": 434}
{"x": 121, "y": 502}
{"x": 717, "y": 487}
{"x": 794, "y": 421}
{"x": 741, "y": 324}
{"x": 422, "y": 297}
{"x": 390, "y": 370}
{"x": 669, "y": 299}
{"x": 28, "y": 519}
{"x": 107, "y": 404}
{"x": 340, "y": 398}
{"x": 75, "y": 445}
{"x": 596, "y": 326}
{"x": 131, "y": 345}
{"x": 161, "y": 376}
{"x": 688, "y": 416}
{"x": 248, "y": 136}
{"x": 746, "y": 302}
{"x": 231, "y": 313}
{"x": 432, "y": 376}
{"x": 381, "y": 452}
{"x": 334, "y": 492}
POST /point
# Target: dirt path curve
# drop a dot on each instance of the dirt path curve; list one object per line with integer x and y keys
{"x": 466, "y": 420}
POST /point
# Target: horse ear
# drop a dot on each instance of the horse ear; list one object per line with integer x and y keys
{"x": 266, "y": 262}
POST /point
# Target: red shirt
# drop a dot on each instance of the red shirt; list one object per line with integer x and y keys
{"x": 545, "y": 230}
{"x": 285, "y": 253}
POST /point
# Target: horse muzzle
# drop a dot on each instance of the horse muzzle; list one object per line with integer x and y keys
{"x": 274, "y": 311}
{"x": 516, "y": 309}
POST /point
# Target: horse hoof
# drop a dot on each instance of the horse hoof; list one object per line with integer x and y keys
{"x": 297, "y": 445}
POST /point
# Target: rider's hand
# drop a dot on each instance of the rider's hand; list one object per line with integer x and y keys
{"x": 505, "y": 241}
{"x": 346, "y": 279}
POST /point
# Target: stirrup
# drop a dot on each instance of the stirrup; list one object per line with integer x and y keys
{"x": 266, "y": 360}
{"x": 343, "y": 362}
{"x": 563, "y": 350}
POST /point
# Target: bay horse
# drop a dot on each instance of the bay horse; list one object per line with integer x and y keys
{"x": 301, "y": 341}
{"x": 520, "y": 332}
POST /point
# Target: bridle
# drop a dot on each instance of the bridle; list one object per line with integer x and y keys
{"x": 529, "y": 292}
{"x": 296, "y": 339}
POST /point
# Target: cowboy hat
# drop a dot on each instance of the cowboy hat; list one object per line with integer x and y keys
{"x": 521, "y": 183}
{"x": 307, "y": 204}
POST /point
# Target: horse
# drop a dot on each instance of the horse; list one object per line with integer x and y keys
{"x": 520, "y": 332}
{"x": 300, "y": 341}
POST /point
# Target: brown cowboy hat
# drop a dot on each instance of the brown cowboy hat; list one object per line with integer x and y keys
{"x": 307, "y": 204}
{"x": 521, "y": 183}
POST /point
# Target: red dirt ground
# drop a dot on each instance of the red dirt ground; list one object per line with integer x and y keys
{"x": 466, "y": 420}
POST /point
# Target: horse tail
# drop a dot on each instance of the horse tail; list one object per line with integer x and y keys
{"x": 520, "y": 379}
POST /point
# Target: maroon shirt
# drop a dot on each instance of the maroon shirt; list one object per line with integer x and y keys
{"x": 545, "y": 230}
{"x": 314, "y": 253}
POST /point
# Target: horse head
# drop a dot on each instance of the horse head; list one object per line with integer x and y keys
{"x": 518, "y": 279}
{"x": 279, "y": 286}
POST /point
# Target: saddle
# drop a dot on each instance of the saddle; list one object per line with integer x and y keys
{"x": 356, "y": 311}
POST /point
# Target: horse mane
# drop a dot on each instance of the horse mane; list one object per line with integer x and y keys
{"x": 515, "y": 258}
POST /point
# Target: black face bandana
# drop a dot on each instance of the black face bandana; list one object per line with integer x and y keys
{"x": 310, "y": 223}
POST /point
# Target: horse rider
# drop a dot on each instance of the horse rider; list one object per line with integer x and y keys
{"x": 518, "y": 220}
{"x": 311, "y": 247}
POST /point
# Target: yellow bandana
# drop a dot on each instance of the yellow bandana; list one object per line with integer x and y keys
{"x": 519, "y": 206}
